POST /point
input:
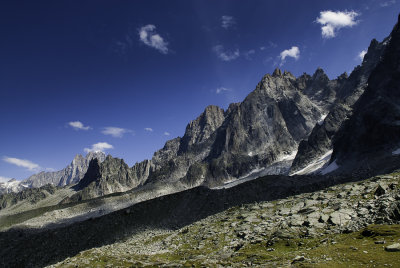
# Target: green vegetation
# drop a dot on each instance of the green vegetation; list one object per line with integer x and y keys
{"x": 357, "y": 249}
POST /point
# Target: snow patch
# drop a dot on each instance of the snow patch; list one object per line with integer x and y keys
{"x": 280, "y": 166}
{"x": 321, "y": 119}
{"x": 286, "y": 157}
{"x": 396, "y": 152}
{"x": 250, "y": 154}
{"x": 316, "y": 165}
{"x": 333, "y": 166}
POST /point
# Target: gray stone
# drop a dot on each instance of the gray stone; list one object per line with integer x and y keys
{"x": 393, "y": 248}
{"x": 298, "y": 259}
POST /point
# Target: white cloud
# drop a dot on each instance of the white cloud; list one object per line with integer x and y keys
{"x": 149, "y": 129}
{"x": 99, "y": 147}
{"x": 116, "y": 132}
{"x": 226, "y": 55}
{"x": 78, "y": 125}
{"x": 4, "y": 179}
{"x": 167, "y": 133}
{"x": 294, "y": 52}
{"x": 227, "y": 21}
{"x": 22, "y": 163}
{"x": 388, "y": 3}
{"x": 333, "y": 21}
{"x": 148, "y": 35}
{"x": 221, "y": 89}
{"x": 362, "y": 54}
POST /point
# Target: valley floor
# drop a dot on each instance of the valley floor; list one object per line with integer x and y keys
{"x": 352, "y": 224}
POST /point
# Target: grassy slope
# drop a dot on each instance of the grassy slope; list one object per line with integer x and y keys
{"x": 205, "y": 243}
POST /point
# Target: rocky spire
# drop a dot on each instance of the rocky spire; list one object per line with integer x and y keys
{"x": 277, "y": 72}
{"x": 202, "y": 127}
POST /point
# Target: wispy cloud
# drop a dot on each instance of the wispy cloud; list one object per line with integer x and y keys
{"x": 270, "y": 45}
{"x": 293, "y": 52}
{"x": 362, "y": 54}
{"x": 226, "y": 55}
{"x": 4, "y": 179}
{"x": 78, "y": 125}
{"x": 332, "y": 21}
{"x": 221, "y": 89}
{"x": 149, "y": 129}
{"x": 249, "y": 53}
{"x": 124, "y": 44}
{"x": 99, "y": 147}
{"x": 116, "y": 132}
{"x": 167, "y": 133}
{"x": 22, "y": 163}
{"x": 388, "y": 3}
{"x": 227, "y": 21}
{"x": 149, "y": 36}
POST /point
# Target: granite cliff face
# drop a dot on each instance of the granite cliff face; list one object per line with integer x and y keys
{"x": 111, "y": 176}
{"x": 219, "y": 146}
{"x": 374, "y": 128}
{"x": 284, "y": 118}
{"x": 348, "y": 90}
{"x": 72, "y": 174}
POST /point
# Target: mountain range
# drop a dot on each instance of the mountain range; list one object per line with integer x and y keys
{"x": 284, "y": 144}
{"x": 285, "y": 126}
{"x": 71, "y": 174}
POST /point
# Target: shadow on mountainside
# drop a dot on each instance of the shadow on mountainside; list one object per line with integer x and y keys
{"x": 37, "y": 248}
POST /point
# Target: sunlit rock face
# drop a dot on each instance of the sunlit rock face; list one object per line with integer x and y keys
{"x": 71, "y": 174}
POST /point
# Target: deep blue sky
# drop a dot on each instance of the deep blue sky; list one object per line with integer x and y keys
{"x": 65, "y": 61}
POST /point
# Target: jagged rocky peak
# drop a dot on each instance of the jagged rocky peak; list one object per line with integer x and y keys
{"x": 302, "y": 81}
{"x": 92, "y": 174}
{"x": 97, "y": 154}
{"x": 289, "y": 75}
{"x": 71, "y": 174}
{"x": 374, "y": 127}
{"x": 232, "y": 107}
{"x": 110, "y": 176}
{"x": 113, "y": 164}
{"x": 320, "y": 75}
{"x": 277, "y": 72}
{"x": 202, "y": 127}
{"x": 374, "y": 52}
{"x": 343, "y": 76}
{"x": 350, "y": 88}
{"x": 169, "y": 151}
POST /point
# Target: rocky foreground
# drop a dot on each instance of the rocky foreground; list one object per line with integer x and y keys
{"x": 347, "y": 224}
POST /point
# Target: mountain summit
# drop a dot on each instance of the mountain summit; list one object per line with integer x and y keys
{"x": 71, "y": 174}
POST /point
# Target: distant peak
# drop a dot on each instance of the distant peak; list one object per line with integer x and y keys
{"x": 78, "y": 156}
{"x": 374, "y": 43}
{"x": 232, "y": 107}
{"x": 319, "y": 73}
{"x": 343, "y": 76}
{"x": 212, "y": 108}
{"x": 95, "y": 154}
{"x": 288, "y": 74}
{"x": 319, "y": 70}
{"x": 277, "y": 72}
